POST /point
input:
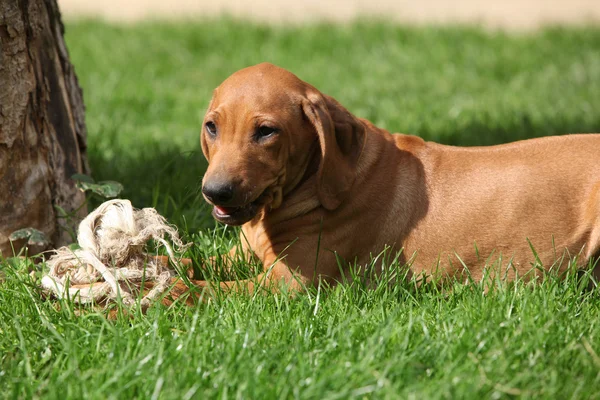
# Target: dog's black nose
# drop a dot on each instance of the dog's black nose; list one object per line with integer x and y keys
{"x": 218, "y": 193}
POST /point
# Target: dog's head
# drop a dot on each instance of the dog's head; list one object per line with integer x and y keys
{"x": 260, "y": 131}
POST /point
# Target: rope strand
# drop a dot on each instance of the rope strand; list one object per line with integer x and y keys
{"x": 111, "y": 262}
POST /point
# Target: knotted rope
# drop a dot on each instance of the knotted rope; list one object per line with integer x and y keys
{"x": 111, "y": 262}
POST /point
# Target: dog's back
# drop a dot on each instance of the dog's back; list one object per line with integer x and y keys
{"x": 508, "y": 201}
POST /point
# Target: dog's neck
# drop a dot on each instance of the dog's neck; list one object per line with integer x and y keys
{"x": 300, "y": 195}
{"x": 314, "y": 160}
{"x": 310, "y": 168}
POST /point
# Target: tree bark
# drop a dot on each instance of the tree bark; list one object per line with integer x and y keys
{"x": 42, "y": 127}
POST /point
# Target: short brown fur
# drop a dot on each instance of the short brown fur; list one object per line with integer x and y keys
{"x": 328, "y": 180}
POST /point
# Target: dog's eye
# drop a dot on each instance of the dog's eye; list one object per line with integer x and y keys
{"x": 211, "y": 128}
{"x": 265, "y": 131}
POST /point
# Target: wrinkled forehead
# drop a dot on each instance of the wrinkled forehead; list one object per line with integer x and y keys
{"x": 257, "y": 97}
{"x": 251, "y": 91}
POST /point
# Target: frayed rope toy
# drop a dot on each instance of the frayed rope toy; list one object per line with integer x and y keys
{"x": 111, "y": 262}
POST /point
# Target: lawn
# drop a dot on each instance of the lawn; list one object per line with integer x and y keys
{"x": 146, "y": 87}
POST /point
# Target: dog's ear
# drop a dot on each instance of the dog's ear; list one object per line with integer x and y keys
{"x": 203, "y": 143}
{"x": 341, "y": 139}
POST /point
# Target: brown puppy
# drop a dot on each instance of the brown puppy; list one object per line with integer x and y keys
{"x": 308, "y": 181}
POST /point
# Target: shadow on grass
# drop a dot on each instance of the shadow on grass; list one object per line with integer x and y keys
{"x": 162, "y": 177}
{"x": 488, "y": 131}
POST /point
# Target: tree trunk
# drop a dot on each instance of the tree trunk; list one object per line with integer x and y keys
{"x": 42, "y": 128}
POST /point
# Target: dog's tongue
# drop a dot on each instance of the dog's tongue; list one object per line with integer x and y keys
{"x": 225, "y": 210}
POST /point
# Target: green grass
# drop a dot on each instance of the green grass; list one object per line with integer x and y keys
{"x": 146, "y": 87}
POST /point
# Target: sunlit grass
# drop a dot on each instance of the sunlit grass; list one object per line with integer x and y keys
{"x": 146, "y": 87}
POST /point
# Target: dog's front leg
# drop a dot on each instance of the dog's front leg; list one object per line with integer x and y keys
{"x": 225, "y": 261}
{"x": 277, "y": 277}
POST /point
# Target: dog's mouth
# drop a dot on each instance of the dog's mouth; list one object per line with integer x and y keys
{"x": 241, "y": 214}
